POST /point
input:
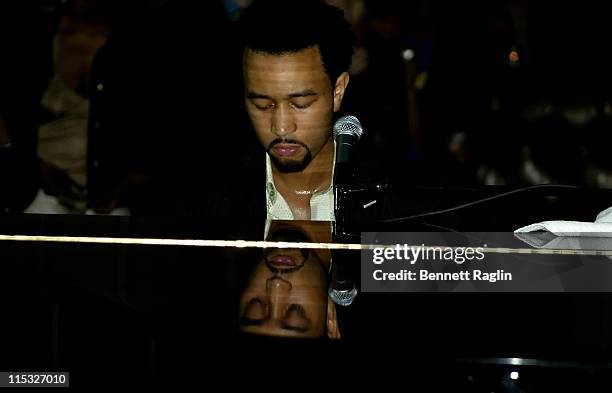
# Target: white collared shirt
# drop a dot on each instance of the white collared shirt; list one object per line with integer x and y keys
{"x": 321, "y": 203}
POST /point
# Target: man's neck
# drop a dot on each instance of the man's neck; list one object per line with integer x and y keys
{"x": 313, "y": 179}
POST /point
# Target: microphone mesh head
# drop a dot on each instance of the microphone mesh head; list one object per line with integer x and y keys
{"x": 348, "y": 125}
{"x": 342, "y": 297}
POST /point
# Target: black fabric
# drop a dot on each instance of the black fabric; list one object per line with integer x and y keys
{"x": 240, "y": 195}
{"x": 170, "y": 107}
{"x": 25, "y": 69}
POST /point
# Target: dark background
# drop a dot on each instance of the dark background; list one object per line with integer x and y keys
{"x": 173, "y": 100}
{"x": 171, "y": 117}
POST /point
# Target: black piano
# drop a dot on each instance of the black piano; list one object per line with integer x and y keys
{"x": 120, "y": 301}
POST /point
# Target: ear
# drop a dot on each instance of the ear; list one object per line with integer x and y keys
{"x": 339, "y": 89}
{"x": 333, "y": 332}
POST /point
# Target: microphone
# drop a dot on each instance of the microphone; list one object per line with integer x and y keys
{"x": 342, "y": 289}
{"x": 347, "y": 131}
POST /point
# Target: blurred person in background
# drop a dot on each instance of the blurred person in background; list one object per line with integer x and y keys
{"x": 108, "y": 106}
{"x": 62, "y": 136}
{"x": 476, "y": 90}
{"x": 381, "y": 71}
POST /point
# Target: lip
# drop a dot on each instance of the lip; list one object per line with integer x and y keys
{"x": 287, "y": 150}
{"x": 283, "y": 261}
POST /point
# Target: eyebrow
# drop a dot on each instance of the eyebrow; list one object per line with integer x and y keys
{"x": 251, "y": 95}
{"x": 298, "y": 329}
{"x": 246, "y": 321}
{"x": 304, "y": 93}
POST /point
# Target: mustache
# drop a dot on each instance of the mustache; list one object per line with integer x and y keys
{"x": 278, "y": 141}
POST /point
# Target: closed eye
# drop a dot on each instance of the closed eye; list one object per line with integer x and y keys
{"x": 256, "y": 312}
{"x": 262, "y": 105}
{"x": 302, "y": 106}
{"x": 303, "y": 102}
{"x": 296, "y": 319}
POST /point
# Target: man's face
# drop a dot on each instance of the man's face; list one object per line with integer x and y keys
{"x": 291, "y": 101}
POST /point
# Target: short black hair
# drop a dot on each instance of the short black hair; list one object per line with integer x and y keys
{"x": 289, "y": 26}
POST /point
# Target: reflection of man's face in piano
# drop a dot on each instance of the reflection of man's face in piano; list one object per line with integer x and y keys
{"x": 286, "y": 295}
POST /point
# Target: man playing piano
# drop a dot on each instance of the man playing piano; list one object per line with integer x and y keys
{"x": 295, "y": 66}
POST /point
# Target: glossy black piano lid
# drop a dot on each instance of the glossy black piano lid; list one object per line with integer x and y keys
{"x": 145, "y": 312}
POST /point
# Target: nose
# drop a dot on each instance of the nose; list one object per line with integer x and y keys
{"x": 278, "y": 293}
{"x": 283, "y": 122}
